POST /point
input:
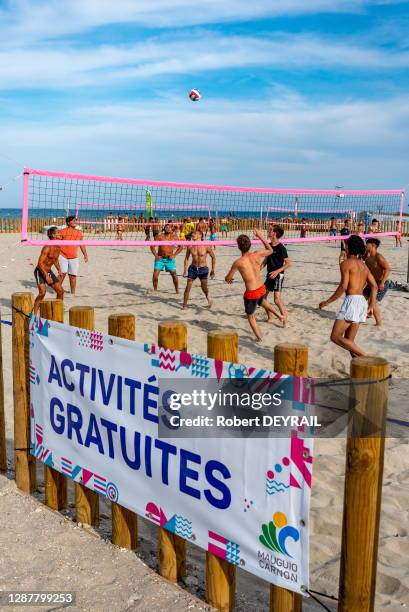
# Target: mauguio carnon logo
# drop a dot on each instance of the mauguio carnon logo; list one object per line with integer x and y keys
{"x": 275, "y": 536}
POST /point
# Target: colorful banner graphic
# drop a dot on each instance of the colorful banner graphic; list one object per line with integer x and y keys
{"x": 94, "y": 418}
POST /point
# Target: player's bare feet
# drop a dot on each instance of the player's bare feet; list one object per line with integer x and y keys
{"x": 280, "y": 317}
{"x": 209, "y": 302}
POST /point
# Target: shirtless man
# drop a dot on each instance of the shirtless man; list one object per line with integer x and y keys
{"x": 43, "y": 274}
{"x": 165, "y": 258}
{"x": 249, "y": 267}
{"x": 360, "y": 228}
{"x": 333, "y": 227}
{"x": 345, "y": 231}
{"x": 373, "y": 227}
{"x": 202, "y": 227}
{"x": 212, "y": 230}
{"x": 155, "y": 228}
{"x": 198, "y": 268}
{"x": 380, "y": 270}
{"x": 355, "y": 275}
{"x": 120, "y": 227}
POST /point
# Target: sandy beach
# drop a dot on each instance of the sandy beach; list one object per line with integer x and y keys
{"x": 118, "y": 280}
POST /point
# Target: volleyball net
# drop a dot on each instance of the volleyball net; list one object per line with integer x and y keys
{"x": 130, "y": 212}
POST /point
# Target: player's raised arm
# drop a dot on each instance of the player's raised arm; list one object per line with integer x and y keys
{"x": 268, "y": 249}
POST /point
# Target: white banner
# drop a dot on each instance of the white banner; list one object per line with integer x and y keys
{"x": 94, "y": 417}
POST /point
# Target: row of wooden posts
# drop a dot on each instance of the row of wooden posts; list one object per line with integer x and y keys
{"x": 364, "y": 461}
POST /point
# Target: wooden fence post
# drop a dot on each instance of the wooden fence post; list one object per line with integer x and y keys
{"x": 172, "y": 548}
{"x": 220, "y": 574}
{"x": 363, "y": 486}
{"x": 25, "y": 465}
{"x": 3, "y": 451}
{"x": 86, "y": 501}
{"x": 124, "y": 521}
{"x": 288, "y": 359}
{"x": 55, "y": 483}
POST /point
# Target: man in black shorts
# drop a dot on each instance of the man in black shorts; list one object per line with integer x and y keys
{"x": 155, "y": 228}
{"x": 147, "y": 229}
{"x": 276, "y": 264}
{"x": 345, "y": 231}
{"x": 198, "y": 268}
{"x": 43, "y": 274}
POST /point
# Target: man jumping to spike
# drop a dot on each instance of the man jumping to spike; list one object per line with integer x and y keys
{"x": 198, "y": 268}
{"x": 165, "y": 258}
{"x": 249, "y": 267}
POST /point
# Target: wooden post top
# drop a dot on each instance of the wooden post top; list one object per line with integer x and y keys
{"x": 222, "y": 334}
{"x": 80, "y": 308}
{"x": 291, "y": 358}
{"x": 172, "y": 324}
{"x": 121, "y": 316}
{"x": 173, "y": 335}
{"x": 21, "y": 294}
{"x": 369, "y": 363}
{"x": 122, "y": 325}
{"x": 290, "y": 346}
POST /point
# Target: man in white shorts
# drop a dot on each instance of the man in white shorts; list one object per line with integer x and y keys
{"x": 355, "y": 275}
{"x": 68, "y": 259}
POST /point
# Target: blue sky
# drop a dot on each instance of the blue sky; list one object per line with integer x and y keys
{"x": 296, "y": 93}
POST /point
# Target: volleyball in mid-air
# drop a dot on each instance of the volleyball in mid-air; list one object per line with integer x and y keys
{"x": 195, "y": 95}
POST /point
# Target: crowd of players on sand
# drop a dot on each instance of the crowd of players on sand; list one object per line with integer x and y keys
{"x": 364, "y": 270}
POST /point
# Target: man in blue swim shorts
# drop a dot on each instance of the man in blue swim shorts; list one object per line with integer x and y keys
{"x": 165, "y": 258}
{"x": 381, "y": 271}
{"x": 198, "y": 268}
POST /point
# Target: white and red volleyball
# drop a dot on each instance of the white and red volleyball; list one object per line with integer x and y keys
{"x": 195, "y": 95}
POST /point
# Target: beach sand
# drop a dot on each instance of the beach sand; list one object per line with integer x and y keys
{"x": 118, "y": 279}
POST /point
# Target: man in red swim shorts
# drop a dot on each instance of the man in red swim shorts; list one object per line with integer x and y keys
{"x": 249, "y": 267}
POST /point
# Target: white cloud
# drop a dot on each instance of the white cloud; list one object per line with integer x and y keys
{"x": 285, "y": 142}
{"x": 45, "y": 19}
{"x": 63, "y": 66}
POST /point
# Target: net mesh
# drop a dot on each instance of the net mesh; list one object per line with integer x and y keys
{"x": 111, "y": 210}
